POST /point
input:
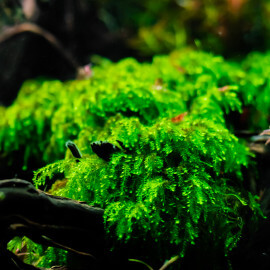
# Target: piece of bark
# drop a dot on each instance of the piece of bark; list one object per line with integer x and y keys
{"x": 50, "y": 220}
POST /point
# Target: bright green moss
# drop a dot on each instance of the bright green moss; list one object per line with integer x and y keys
{"x": 48, "y": 113}
{"x": 256, "y": 88}
{"x": 167, "y": 187}
{"x": 177, "y": 180}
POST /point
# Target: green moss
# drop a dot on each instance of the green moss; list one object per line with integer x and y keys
{"x": 177, "y": 180}
{"x": 48, "y": 113}
{"x": 167, "y": 184}
{"x": 36, "y": 254}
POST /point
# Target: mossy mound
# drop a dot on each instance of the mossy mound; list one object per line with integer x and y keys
{"x": 176, "y": 177}
{"x": 165, "y": 185}
{"x": 48, "y": 113}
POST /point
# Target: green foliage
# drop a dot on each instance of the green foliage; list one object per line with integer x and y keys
{"x": 224, "y": 27}
{"x": 52, "y": 256}
{"x": 256, "y": 87}
{"x": 36, "y": 254}
{"x": 177, "y": 180}
{"x": 167, "y": 185}
{"x": 48, "y": 113}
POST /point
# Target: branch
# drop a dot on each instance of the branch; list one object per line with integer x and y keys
{"x": 33, "y": 28}
{"x": 169, "y": 262}
{"x": 50, "y": 220}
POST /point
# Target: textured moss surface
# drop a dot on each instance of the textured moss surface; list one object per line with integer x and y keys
{"x": 177, "y": 178}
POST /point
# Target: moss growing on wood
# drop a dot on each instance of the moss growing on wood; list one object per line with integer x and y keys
{"x": 175, "y": 179}
{"x": 48, "y": 113}
{"x": 168, "y": 182}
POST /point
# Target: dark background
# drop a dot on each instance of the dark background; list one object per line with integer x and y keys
{"x": 118, "y": 29}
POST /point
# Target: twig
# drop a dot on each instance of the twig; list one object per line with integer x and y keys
{"x": 169, "y": 262}
{"x": 141, "y": 262}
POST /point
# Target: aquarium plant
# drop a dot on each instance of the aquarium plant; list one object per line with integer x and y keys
{"x": 151, "y": 143}
{"x": 48, "y": 113}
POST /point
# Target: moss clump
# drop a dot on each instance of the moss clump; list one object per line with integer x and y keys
{"x": 172, "y": 184}
{"x": 48, "y": 113}
{"x": 176, "y": 181}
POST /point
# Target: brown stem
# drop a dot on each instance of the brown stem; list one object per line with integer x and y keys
{"x": 169, "y": 262}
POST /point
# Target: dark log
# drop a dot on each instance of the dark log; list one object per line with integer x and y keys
{"x": 50, "y": 220}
